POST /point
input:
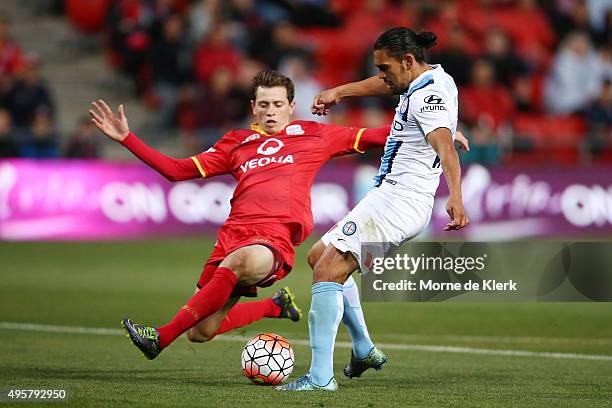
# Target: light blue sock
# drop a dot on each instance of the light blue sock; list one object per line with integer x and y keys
{"x": 354, "y": 321}
{"x": 323, "y": 320}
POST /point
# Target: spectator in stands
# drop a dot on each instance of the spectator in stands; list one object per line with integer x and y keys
{"x": 29, "y": 95}
{"x": 130, "y": 22}
{"x": 8, "y": 146}
{"x": 574, "y": 80}
{"x": 599, "y": 119}
{"x": 6, "y": 85}
{"x": 299, "y": 68}
{"x": 477, "y": 18}
{"x": 41, "y": 142}
{"x": 603, "y": 38}
{"x": 522, "y": 92}
{"x": 485, "y": 99}
{"x": 498, "y": 50}
{"x": 84, "y": 142}
{"x": 484, "y": 145}
{"x": 600, "y": 12}
{"x": 214, "y": 53}
{"x": 313, "y": 13}
{"x": 170, "y": 66}
{"x": 574, "y": 16}
{"x": 11, "y": 57}
{"x": 202, "y": 18}
{"x": 273, "y": 42}
{"x": 529, "y": 29}
{"x": 243, "y": 19}
{"x": 218, "y": 106}
{"x": 453, "y": 57}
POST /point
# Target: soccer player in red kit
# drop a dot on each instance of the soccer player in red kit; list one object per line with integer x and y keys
{"x": 275, "y": 163}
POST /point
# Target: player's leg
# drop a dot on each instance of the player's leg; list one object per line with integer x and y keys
{"x": 354, "y": 320}
{"x": 330, "y": 272}
{"x": 245, "y": 266}
{"x": 281, "y": 305}
{"x": 205, "y": 330}
{"x": 327, "y": 308}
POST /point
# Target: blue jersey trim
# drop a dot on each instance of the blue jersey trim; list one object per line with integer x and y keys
{"x": 426, "y": 81}
{"x": 387, "y": 160}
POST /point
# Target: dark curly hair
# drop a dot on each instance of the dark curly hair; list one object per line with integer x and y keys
{"x": 402, "y": 40}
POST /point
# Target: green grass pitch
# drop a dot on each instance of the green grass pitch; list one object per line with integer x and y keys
{"x": 96, "y": 284}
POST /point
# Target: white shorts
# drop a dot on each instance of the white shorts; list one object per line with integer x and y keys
{"x": 380, "y": 220}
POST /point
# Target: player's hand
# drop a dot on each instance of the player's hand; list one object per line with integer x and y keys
{"x": 463, "y": 142}
{"x": 114, "y": 126}
{"x": 325, "y": 100}
{"x": 456, "y": 212}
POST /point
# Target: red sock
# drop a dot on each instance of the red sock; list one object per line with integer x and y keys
{"x": 246, "y": 313}
{"x": 207, "y": 301}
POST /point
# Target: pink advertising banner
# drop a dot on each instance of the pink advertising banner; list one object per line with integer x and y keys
{"x": 74, "y": 200}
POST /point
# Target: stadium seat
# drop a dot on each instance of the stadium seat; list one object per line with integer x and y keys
{"x": 87, "y": 16}
{"x": 559, "y": 137}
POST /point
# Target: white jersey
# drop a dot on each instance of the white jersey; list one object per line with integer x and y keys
{"x": 410, "y": 166}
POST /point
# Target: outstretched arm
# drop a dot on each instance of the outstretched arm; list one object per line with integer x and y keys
{"x": 442, "y": 142}
{"x": 372, "y": 86}
{"x": 463, "y": 142}
{"x": 116, "y": 128}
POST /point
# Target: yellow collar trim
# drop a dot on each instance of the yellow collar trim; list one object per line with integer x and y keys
{"x": 255, "y": 127}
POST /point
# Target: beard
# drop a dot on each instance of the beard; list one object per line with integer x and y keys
{"x": 396, "y": 90}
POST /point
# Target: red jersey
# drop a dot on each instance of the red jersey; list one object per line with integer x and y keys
{"x": 274, "y": 172}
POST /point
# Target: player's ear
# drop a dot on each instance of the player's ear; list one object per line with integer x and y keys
{"x": 291, "y": 107}
{"x": 252, "y": 106}
{"x": 408, "y": 61}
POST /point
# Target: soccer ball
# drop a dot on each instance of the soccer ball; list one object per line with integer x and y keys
{"x": 267, "y": 359}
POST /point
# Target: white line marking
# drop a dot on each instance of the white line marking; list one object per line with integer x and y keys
{"x": 339, "y": 344}
{"x": 499, "y": 339}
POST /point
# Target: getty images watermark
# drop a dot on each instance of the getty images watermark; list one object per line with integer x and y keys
{"x": 477, "y": 271}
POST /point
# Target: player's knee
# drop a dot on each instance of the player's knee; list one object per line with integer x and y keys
{"x": 315, "y": 253}
{"x": 330, "y": 268}
{"x": 237, "y": 262}
{"x": 199, "y": 336}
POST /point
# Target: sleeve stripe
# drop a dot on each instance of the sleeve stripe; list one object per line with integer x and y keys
{"x": 199, "y": 166}
{"x": 357, "y": 138}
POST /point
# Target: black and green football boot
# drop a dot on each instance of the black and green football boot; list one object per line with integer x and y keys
{"x": 289, "y": 308}
{"x": 375, "y": 359}
{"x": 146, "y": 338}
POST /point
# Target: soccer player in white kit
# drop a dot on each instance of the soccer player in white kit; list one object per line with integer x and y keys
{"x": 419, "y": 148}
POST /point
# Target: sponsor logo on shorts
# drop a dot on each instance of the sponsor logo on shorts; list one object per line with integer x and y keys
{"x": 349, "y": 228}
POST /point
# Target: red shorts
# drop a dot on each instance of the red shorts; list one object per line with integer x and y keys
{"x": 277, "y": 237}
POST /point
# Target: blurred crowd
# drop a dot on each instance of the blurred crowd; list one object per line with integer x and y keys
{"x": 27, "y": 109}
{"x": 534, "y": 77}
